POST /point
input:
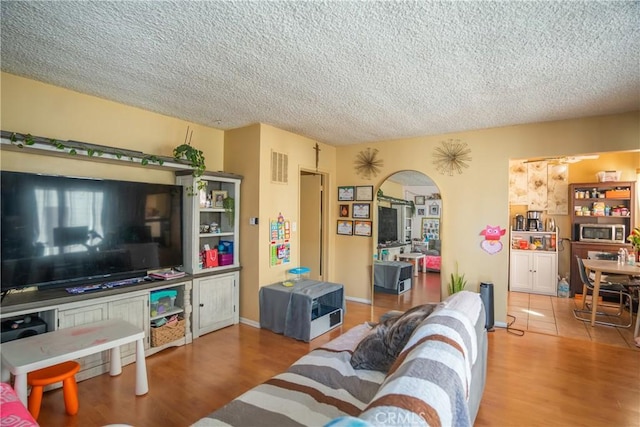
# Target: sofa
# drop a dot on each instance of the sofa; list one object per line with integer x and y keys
{"x": 437, "y": 379}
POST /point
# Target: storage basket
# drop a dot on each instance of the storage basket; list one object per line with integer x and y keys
{"x": 608, "y": 176}
{"x": 167, "y": 333}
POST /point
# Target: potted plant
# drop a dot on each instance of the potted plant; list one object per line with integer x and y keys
{"x": 195, "y": 159}
{"x": 457, "y": 283}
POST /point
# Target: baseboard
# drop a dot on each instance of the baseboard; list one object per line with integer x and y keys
{"x": 359, "y": 300}
{"x": 250, "y": 322}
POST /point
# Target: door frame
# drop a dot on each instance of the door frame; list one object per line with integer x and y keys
{"x": 324, "y": 217}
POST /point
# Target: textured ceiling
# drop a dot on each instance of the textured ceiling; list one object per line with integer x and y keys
{"x": 338, "y": 72}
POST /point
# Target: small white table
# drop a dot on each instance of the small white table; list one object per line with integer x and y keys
{"x": 40, "y": 351}
{"x": 414, "y": 258}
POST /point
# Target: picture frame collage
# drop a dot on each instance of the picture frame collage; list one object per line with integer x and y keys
{"x": 355, "y": 218}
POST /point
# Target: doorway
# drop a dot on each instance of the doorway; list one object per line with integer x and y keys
{"x": 313, "y": 224}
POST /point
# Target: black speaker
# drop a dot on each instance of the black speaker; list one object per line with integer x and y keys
{"x": 22, "y": 327}
{"x": 486, "y": 295}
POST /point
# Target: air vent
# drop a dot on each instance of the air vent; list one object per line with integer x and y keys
{"x": 279, "y": 167}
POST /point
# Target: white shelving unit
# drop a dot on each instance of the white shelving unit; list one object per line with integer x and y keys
{"x": 215, "y": 289}
{"x": 197, "y": 214}
{"x": 534, "y": 270}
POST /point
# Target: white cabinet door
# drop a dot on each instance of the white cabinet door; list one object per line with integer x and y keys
{"x": 135, "y": 311}
{"x": 82, "y": 316}
{"x": 217, "y": 301}
{"x": 520, "y": 274}
{"x": 545, "y": 273}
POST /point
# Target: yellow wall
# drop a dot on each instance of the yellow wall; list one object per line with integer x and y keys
{"x": 242, "y": 156}
{"x": 478, "y": 197}
{"x": 278, "y": 198}
{"x": 248, "y": 152}
{"x": 392, "y": 189}
{"x": 49, "y": 111}
{"x": 470, "y": 201}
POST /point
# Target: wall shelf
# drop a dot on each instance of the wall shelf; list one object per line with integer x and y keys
{"x": 88, "y": 151}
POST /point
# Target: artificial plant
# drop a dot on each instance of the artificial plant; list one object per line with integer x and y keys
{"x": 229, "y": 205}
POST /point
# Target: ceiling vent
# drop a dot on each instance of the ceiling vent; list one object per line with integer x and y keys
{"x": 279, "y": 168}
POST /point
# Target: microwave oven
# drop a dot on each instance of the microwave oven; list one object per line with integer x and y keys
{"x": 603, "y": 233}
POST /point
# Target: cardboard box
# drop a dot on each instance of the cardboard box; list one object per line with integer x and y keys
{"x": 618, "y": 194}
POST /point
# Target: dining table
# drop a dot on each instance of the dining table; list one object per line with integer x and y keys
{"x": 598, "y": 267}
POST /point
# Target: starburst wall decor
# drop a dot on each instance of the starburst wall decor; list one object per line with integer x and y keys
{"x": 452, "y": 156}
{"x": 367, "y": 163}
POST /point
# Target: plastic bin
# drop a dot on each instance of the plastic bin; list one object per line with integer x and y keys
{"x": 225, "y": 259}
{"x": 162, "y": 301}
{"x": 608, "y": 176}
{"x": 225, "y": 247}
{"x": 298, "y": 273}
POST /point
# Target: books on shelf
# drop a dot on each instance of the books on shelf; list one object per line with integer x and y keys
{"x": 167, "y": 274}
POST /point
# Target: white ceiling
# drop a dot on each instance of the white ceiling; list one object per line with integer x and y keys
{"x": 340, "y": 72}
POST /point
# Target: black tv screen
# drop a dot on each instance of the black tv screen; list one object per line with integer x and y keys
{"x": 387, "y": 225}
{"x": 61, "y": 231}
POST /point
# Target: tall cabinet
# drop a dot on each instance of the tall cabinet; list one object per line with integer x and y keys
{"x": 587, "y": 201}
{"x": 212, "y": 247}
{"x": 405, "y": 222}
{"x": 534, "y": 262}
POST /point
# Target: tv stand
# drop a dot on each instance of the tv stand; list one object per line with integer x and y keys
{"x": 61, "y": 310}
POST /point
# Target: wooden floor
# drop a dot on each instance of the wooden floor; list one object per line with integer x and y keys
{"x": 533, "y": 380}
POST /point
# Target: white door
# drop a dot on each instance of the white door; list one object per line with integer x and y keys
{"x": 545, "y": 272}
{"x": 82, "y": 316}
{"x": 216, "y": 302}
{"x": 520, "y": 275}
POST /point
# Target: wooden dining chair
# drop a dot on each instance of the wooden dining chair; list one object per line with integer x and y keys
{"x": 606, "y": 288}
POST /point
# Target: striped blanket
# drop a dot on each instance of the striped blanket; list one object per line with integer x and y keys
{"x": 429, "y": 384}
{"x": 317, "y": 388}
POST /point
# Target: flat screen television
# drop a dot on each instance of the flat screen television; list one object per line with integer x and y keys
{"x": 387, "y": 225}
{"x": 66, "y": 231}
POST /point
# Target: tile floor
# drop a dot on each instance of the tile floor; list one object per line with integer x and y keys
{"x": 554, "y": 316}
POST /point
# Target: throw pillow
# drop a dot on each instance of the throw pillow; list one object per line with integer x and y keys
{"x": 380, "y": 348}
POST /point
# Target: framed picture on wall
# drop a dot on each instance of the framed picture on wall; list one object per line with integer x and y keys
{"x": 420, "y": 200}
{"x": 344, "y": 211}
{"x": 346, "y": 193}
{"x": 434, "y": 209}
{"x": 364, "y": 193}
{"x": 362, "y": 210}
{"x": 420, "y": 211}
{"x": 431, "y": 228}
{"x": 345, "y": 227}
{"x": 362, "y": 228}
